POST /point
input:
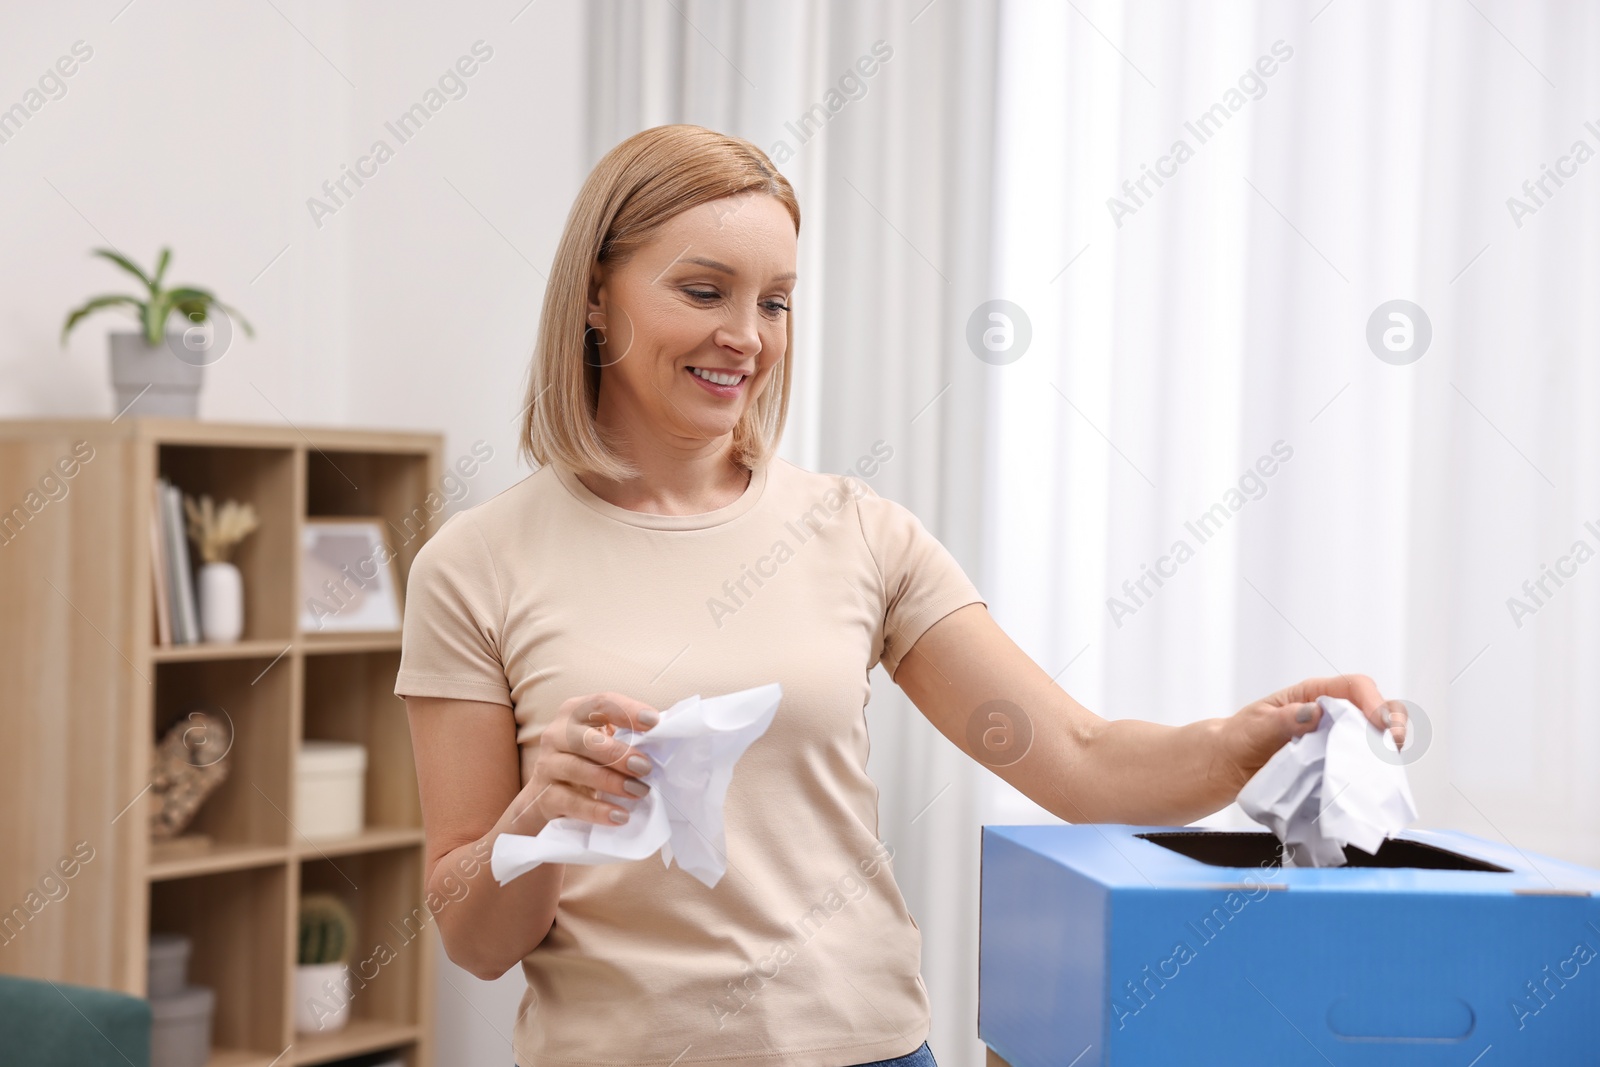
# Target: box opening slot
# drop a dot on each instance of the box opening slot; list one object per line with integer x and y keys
{"x": 1225, "y": 848}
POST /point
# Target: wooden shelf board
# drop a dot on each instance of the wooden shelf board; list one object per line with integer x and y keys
{"x": 372, "y": 839}
{"x": 235, "y": 1057}
{"x": 360, "y": 1035}
{"x": 383, "y": 641}
{"x": 206, "y": 650}
{"x": 204, "y": 433}
{"x": 218, "y": 857}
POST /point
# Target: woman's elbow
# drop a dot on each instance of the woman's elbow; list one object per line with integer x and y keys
{"x": 491, "y": 973}
{"x": 482, "y": 965}
{"x": 487, "y": 961}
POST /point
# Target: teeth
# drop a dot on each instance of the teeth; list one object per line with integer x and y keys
{"x": 719, "y": 379}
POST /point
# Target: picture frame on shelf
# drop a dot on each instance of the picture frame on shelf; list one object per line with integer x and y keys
{"x": 349, "y": 580}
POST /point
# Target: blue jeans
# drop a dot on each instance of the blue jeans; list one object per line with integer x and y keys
{"x": 921, "y": 1057}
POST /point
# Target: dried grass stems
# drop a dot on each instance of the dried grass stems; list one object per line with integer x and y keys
{"x": 218, "y": 530}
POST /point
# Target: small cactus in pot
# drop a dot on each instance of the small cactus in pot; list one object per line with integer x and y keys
{"x": 322, "y": 986}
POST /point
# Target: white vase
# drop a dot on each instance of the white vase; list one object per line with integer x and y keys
{"x": 321, "y": 997}
{"x": 221, "y": 602}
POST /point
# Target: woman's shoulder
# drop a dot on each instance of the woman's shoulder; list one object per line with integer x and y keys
{"x": 818, "y": 498}
{"x": 472, "y": 529}
{"x": 791, "y": 480}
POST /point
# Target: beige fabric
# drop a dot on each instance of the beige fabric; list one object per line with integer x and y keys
{"x": 804, "y": 953}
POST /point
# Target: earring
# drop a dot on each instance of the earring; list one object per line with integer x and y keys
{"x": 593, "y": 358}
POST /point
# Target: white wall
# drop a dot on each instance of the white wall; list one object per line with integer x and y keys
{"x": 207, "y": 128}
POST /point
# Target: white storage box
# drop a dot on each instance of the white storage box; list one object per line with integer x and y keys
{"x": 330, "y": 785}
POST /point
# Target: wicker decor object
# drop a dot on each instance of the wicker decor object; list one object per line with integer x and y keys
{"x": 188, "y": 764}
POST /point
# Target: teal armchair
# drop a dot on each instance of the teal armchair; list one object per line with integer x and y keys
{"x": 51, "y": 1024}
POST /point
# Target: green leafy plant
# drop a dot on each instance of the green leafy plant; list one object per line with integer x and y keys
{"x": 327, "y": 929}
{"x": 154, "y": 307}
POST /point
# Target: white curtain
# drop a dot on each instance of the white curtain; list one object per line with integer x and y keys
{"x": 1180, "y": 335}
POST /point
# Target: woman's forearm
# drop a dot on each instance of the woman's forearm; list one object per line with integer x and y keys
{"x": 1151, "y": 775}
{"x": 486, "y": 927}
{"x": 1131, "y": 771}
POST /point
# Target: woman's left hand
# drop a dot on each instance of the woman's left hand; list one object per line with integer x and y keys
{"x": 1258, "y": 730}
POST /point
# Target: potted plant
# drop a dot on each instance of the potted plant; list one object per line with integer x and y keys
{"x": 154, "y": 371}
{"x": 217, "y": 532}
{"x": 322, "y": 978}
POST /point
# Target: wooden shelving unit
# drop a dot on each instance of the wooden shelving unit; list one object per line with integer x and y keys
{"x": 88, "y": 692}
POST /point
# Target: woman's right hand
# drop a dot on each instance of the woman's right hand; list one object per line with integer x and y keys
{"x": 581, "y": 764}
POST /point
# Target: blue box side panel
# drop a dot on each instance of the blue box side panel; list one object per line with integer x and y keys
{"x": 1291, "y": 977}
{"x": 1041, "y": 959}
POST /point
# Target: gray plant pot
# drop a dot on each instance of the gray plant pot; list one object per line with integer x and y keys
{"x": 151, "y": 380}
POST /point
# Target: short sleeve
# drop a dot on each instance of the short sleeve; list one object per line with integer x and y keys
{"x": 450, "y": 641}
{"x": 922, "y": 581}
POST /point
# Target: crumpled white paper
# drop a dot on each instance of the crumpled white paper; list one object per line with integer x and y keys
{"x": 1327, "y": 789}
{"x": 692, "y": 751}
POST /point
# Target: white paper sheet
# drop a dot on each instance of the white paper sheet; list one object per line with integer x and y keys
{"x": 1328, "y": 788}
{"x": 692, "y": 751}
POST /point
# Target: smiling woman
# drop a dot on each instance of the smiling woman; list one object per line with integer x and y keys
{"x": 695, "y": 269}
{"x": 542, "y": 622}
{"x": 690, "y": 325}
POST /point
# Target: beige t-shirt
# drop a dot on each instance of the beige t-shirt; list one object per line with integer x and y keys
{"x": 804, "y": 953}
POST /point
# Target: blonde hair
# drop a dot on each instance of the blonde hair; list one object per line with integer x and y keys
{"x": 634, "y": 189}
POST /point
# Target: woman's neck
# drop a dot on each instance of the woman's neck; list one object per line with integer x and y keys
{"x": 673, "y": 484}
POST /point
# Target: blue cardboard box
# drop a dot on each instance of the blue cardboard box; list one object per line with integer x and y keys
{"x": 1132, "y": 946}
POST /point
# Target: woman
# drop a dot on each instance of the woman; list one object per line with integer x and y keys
{"x": 660, "y": 550}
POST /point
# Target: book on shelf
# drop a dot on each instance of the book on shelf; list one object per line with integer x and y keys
{"x": 179, "y": 584}
{"x": 158, "y": 570}
{"x": 186, "y": 602}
